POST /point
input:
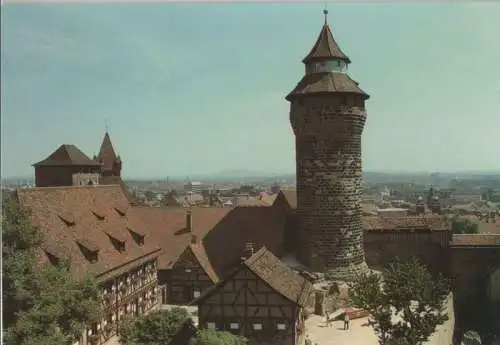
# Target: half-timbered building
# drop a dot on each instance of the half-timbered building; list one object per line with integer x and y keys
{"x": 191, "y": 274}
{"x": 262, "y": 299}
{"x": 202, "y": 245}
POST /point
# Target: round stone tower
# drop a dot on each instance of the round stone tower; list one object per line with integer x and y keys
{"x": 327, "y": 114}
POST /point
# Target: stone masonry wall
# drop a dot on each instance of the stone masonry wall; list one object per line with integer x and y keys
{"x": 431, "y": 248}
{"x": 329, "y": 175}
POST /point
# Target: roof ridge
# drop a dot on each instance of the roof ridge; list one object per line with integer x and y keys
{"x": 257, "y": 255}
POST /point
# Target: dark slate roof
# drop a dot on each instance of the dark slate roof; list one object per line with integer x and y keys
{"x": 325, "y": 47}
{"x": 324, "y": 83}
{"x": 107, "y": 153}
{"x": 67, "y": 155}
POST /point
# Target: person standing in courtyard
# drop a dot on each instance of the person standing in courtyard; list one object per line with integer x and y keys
{"x": 346, "y": 321}
{"x": 328, "y": 321}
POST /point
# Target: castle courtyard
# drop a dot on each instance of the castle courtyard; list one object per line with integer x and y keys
{"x": 361, "y": 332}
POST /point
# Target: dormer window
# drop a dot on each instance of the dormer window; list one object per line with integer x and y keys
{"x": 118, "y": 244}
{"x": 53, "y": 259}
{"x": 89, "y": 250}
{"x": 67, "y": 218}
{"x": 99, "y": 215}
{"x": 117, "y": 241}
{"x": 137, "y": 236}
{"x": 121, "y": 211}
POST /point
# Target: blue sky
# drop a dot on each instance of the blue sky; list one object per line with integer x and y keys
{"x": 199, "y": 88}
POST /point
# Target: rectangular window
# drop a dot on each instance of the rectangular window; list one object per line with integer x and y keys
{"x": 234, "y": 325}
{"x": 257, "y": 326}
{"x": 281, "y": 326}
{"x": 196, "y": 293}
{"x": 211, "y": 325}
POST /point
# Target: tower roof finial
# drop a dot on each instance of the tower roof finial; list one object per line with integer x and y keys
{"x": 325, "y": 12}
{"x": 106, "y": 125}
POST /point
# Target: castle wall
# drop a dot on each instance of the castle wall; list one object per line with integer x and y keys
{"x": 54, "y": 176}
{"x": 471, "y": 268}
{"x": 48, "y": 176}
{"x": 430, "y": 248}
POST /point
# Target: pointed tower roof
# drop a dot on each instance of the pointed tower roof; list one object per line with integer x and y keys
{"x": 67, "y": 155}
{"x": 107, "y": 153}
{"x": 325, "y": 46}
{"x": 325, "y": 82}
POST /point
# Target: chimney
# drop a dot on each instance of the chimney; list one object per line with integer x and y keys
{"x": 189, "y": 220}
{"x": 194, "y": 239}
{"x": 249, "y": 251}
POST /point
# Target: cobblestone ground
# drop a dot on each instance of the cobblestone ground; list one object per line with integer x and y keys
{"x": 360, "y": 333}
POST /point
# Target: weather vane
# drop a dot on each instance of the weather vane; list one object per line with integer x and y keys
{"x": 106, "y": 125}
{"x": 325, "y": 12}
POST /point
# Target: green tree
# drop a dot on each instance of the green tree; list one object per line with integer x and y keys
{"x": 42, "y": 304}
{"x": 408, "y": 291}
{"x": 162, "y": 326}
{"x": 463, "y": 226}
{"x": 212, "y": 337}
{"x": 157, "y": 327}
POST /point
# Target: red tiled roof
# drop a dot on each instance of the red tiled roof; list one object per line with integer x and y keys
{"x": 201, "y": 255}
{"x": 213, "y": 226}
{"x": 427, "y": 222}
{"x": 279, "y": 276}
{"x": 168, "y": 227}
{"x": 249, "y": 202}
{"x": 67, "y": 155}
{"x": 260, "y": 226}
{"x": 117, "y": 180}
{"x": 290, "y": 196}
{"x": 268, "y": 198}
{"x": 476, "y": 240}
{"x": 107, "y": 155}
{"x": 49, "y": 203}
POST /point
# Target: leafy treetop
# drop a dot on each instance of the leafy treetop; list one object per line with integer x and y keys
{"x": 463, "y": 226}
{"x": 405, "y": 302}
{"x": 165, "y": 326}
{"x": 43, "y": 304}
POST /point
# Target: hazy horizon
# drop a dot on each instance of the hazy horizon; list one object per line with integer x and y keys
{"x": 258, "y": 174}
{"x": 181, "y": 93}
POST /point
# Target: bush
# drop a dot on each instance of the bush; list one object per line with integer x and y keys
{"x": 212, "y": 337}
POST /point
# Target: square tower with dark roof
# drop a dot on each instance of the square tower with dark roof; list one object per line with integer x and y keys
{"x": 327, "y": 114}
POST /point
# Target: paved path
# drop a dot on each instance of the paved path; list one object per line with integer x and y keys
{"x": 360, "y": 333}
